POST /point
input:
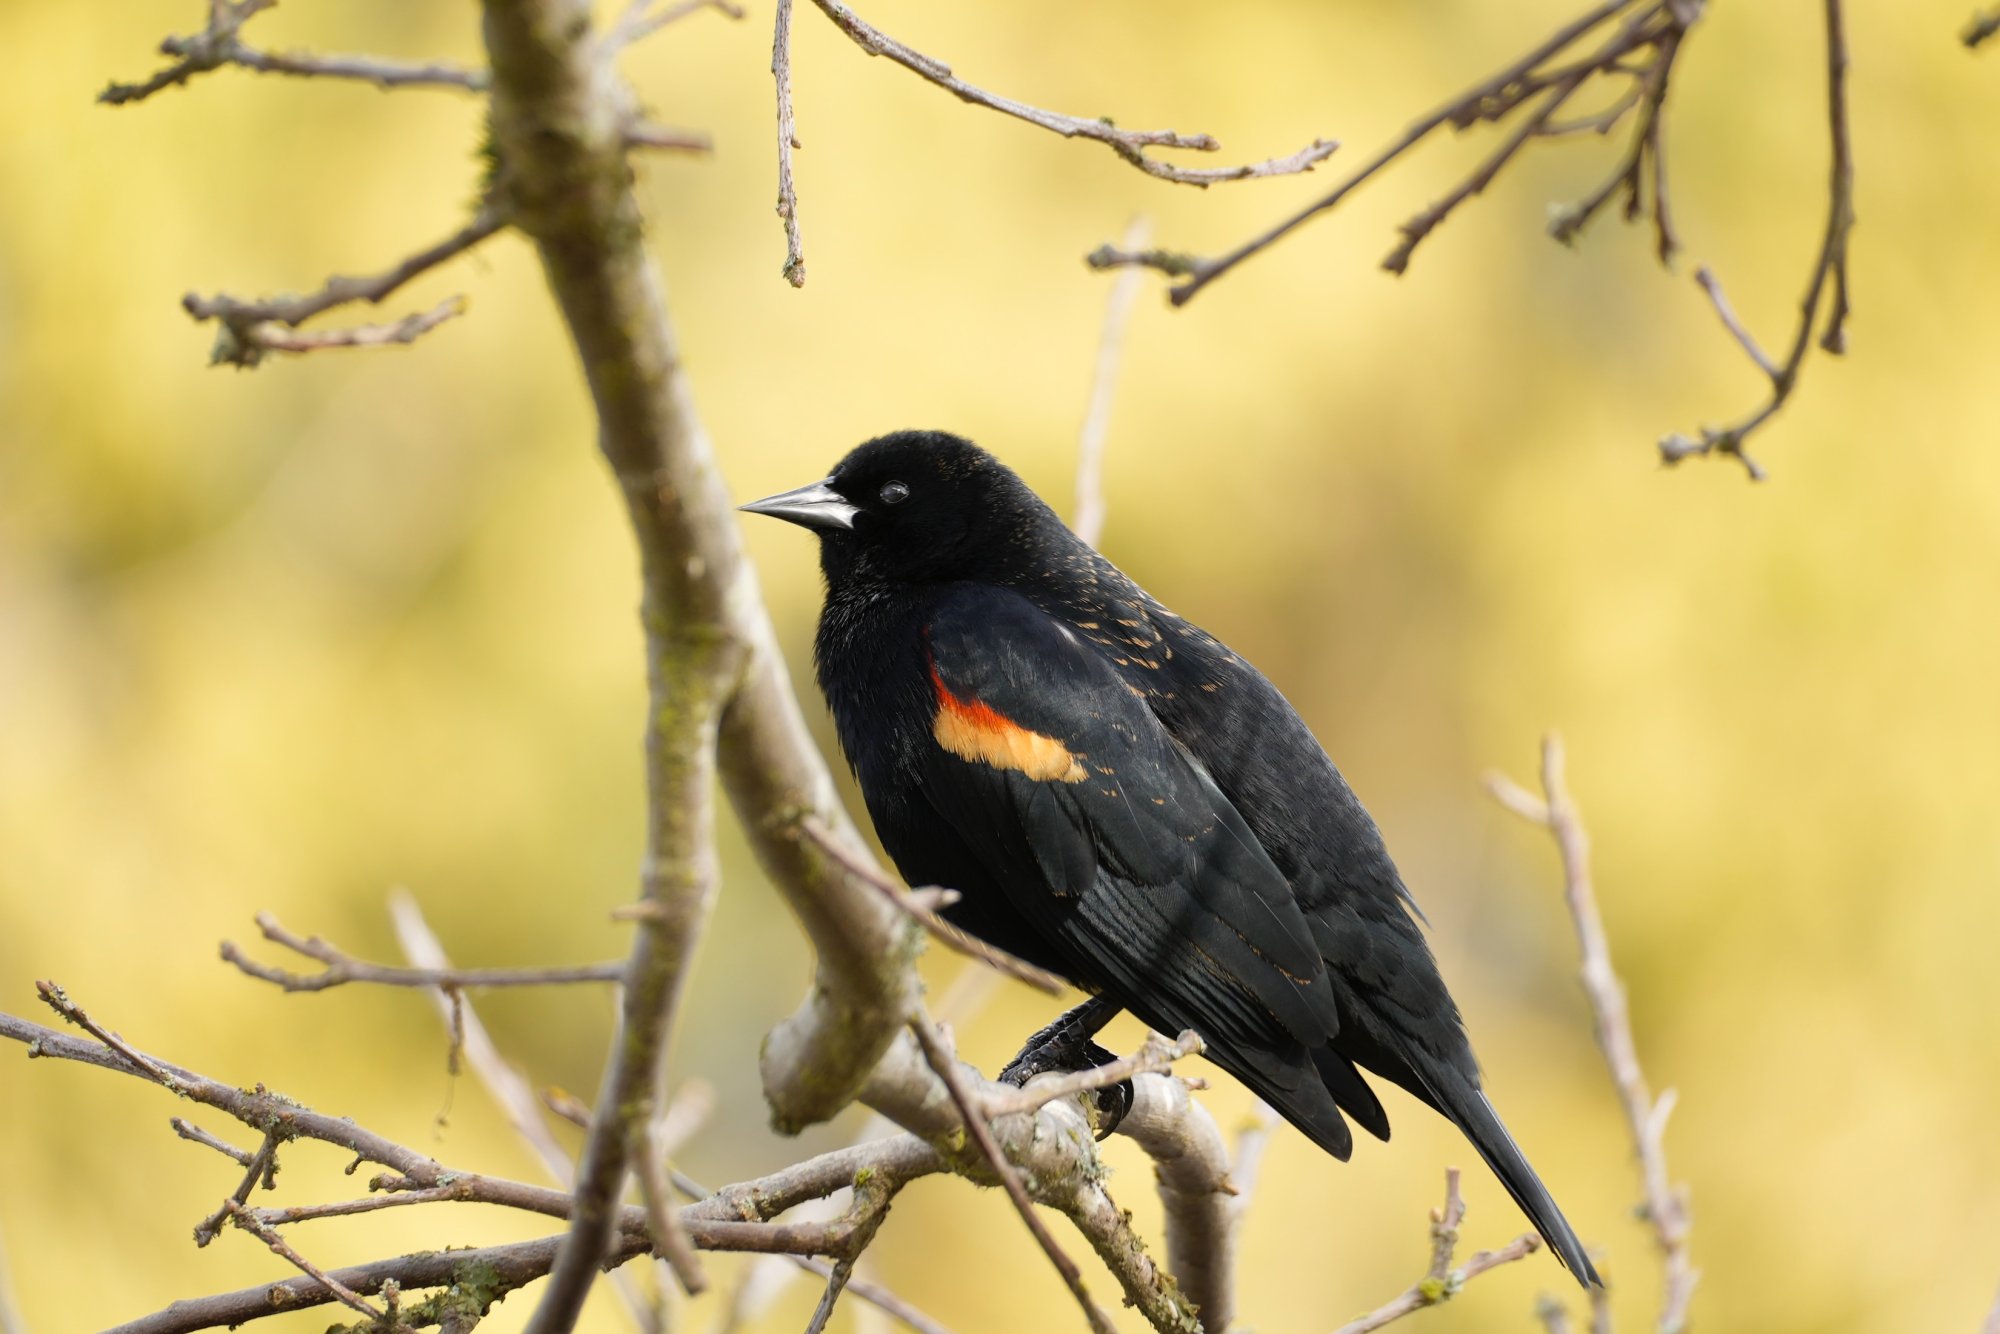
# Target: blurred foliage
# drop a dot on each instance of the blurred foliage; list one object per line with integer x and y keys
{"x": 283, "y": 640}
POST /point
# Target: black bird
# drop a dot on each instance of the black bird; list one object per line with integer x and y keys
{"x": 1123, "y": 801}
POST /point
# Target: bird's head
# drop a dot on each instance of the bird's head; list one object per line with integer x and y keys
{"x": 920, "y": 507}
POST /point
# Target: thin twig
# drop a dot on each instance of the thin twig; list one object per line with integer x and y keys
{"x": 1666, "y": 1204}
{"x": 670, "y": 1234}
{"x": 504, "y": 1084}
{"x": 1253, "y": 1137}
{"x": 945, "y": 1066}
{"x": 245, "y": 334}
{"x": 1156, "y": 1056}
{"x": 836, "y": 1281}
{"x": 219, "y": 45}
{"x": 639, "y": 22}
{"x": 188, "y": 1130}
{"x": 1829, "y": 269}
{"x": 788, "y": 140}
{"x": 1727, "y": 314}
{"x": 347, "y": 1296}
{"x": 1127, "y": 144}
{"x": 1089, "y": 521}
{"x": 913, "y": 905}
{"x": 342, "y": 968}
{"x": 1441, "y": 1282}
{"x": 665, "y": 138}
{"x": 245, "y": 346}
{"x": 59, "y": 1001}
{"x": 261, "y": 1167}
{"x": 1488, "y": 100}
{"x": 492, "y": 1272}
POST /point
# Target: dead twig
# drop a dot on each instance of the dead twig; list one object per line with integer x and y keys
{"x": 261, "y": 1168}
{"x": 347, "y": 1296}
{"x": 342, "y": 968}
{"x": 1666, "y": 1207}
{"x": 1131, "y": 145}
{"x": 1441, "y": 1282}
{"x": 188, "y": 1130}
{"x": 640, "y": 21}
{"x": 248, "y": 330}
{"x": 945, "y": 1066}
{"x": 219, "y": 44}
{"x": 1089, "y": 521}
{"x": 59, "y": 1001}
{"x": 1541, "y": 78}
{"x": 921, "y": 907}
{"x": 788, "y": 141}
{"x": 1829, "y": 270}
{"x": 1156, "y": 1056}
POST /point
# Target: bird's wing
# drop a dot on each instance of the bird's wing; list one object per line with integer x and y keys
{"x": 1106, "y": 835}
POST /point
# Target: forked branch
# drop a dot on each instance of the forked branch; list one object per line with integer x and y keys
{"x": 1441, "y": 1282}
{"x": 1666, "y": 1206}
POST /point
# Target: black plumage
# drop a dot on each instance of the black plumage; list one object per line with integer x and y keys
{"x": 1122, "y": 800}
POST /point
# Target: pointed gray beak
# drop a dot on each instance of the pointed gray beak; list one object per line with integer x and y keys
{"x": 815, "y": 506}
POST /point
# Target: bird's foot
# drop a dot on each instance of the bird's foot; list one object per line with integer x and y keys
{"x": 1056, "y": 1050}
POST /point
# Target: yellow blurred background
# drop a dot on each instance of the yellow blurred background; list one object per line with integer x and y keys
{"x": 285, "y": 640}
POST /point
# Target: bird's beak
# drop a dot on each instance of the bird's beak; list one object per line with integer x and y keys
{"x": 815, "y": 506}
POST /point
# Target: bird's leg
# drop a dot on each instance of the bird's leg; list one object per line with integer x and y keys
{"x": 1067, "y": 1045}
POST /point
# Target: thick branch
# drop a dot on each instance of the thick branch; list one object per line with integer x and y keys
{"x": 558, "y": 120}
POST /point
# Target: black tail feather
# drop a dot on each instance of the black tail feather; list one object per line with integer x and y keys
{"x": 1469, "y": 1108}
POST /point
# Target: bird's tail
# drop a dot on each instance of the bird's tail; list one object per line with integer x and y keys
{"x": 1467, "y": 1105}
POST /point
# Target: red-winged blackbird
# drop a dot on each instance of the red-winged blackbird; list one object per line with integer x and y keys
{"x": 1122, "y": 800}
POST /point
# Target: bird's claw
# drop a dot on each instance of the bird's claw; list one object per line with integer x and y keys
{"x": 1050, "y": 1052}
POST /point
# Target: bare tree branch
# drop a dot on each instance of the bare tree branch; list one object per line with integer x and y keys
{"x": 1197, "y": 1197}
{"x": 1127, "y": 144}
{"x": 788, "y": 141}
{"x": 260, "y": 1168}
{"x": 503, "y": 1083}
{"x": 1666, "y": 1207}
{"x": 912, "y": 904}
{"x": 187, "y": 1130}
{"x": 1490, "y": 100}
{"x": 1156, "y": 1056}
{"x": 1441, "y": 1282}
{"x": 669, "y": 1233}
{"x": 342, "y": 968}
{"x": 945, "y": 1065}
{"x": 249, "y": 1222}
{"x": 1089, "y": 521}
{"x": 471, "y": 1280}
{"x": 640, "y": 20}
{"x": 219, "y": 44}
{"x": 248, "y": 328}
{"x": 1830, "y": 268}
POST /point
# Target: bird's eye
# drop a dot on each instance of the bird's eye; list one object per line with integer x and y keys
{"x": 894, "y": 493}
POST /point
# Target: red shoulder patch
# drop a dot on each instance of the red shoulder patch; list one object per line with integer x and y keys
{"x": 975, "y": 731}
